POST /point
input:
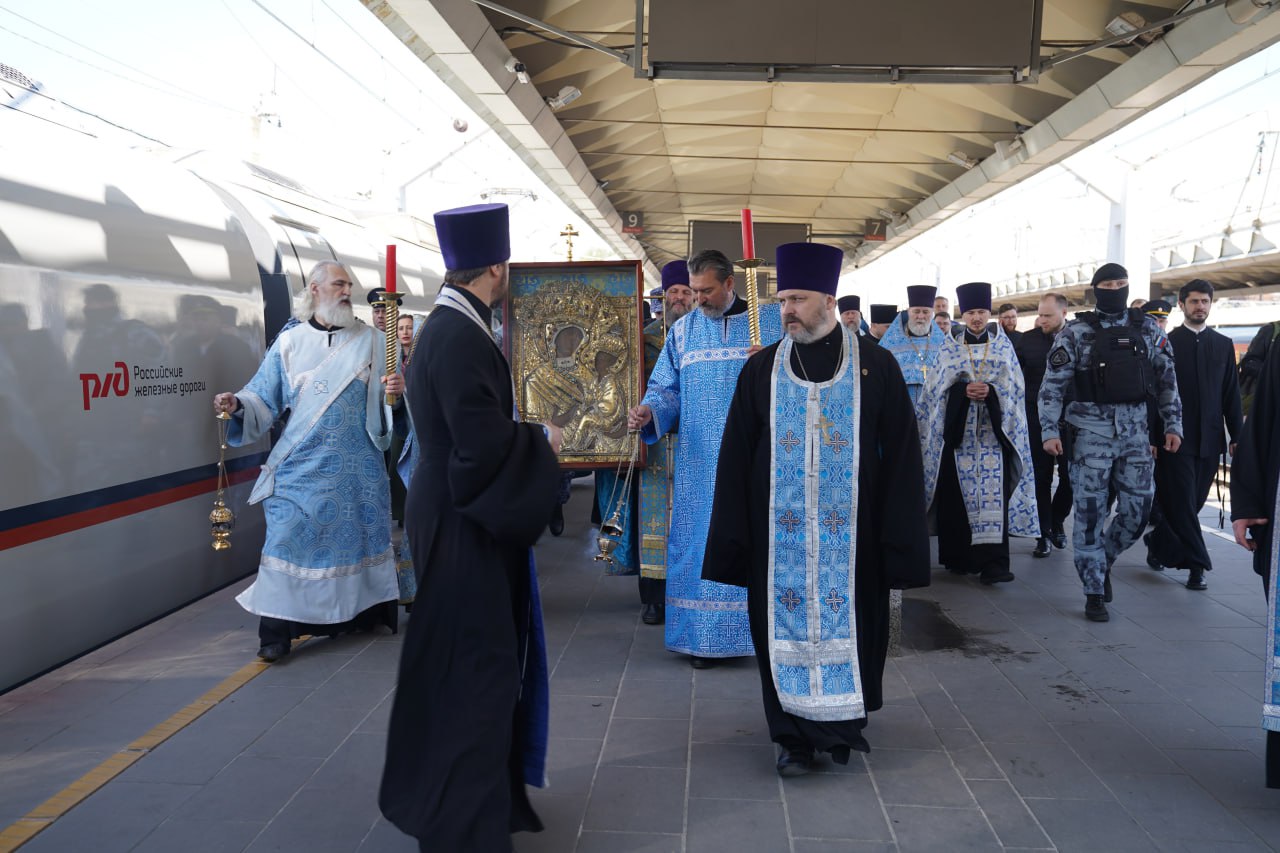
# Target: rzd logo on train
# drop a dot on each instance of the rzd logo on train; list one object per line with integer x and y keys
{"x": 114, "y": 383}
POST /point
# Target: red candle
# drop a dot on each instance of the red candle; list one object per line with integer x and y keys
{"x": 390, "y": 281}
{"x": 748, "y": 235}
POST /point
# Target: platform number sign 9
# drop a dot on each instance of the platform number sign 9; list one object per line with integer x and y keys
{"x": 632, "y": 222}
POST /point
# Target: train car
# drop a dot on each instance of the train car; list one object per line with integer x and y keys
{"x": 132, "y": 289}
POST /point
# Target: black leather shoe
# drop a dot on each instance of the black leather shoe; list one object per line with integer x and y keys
{"x": 1042, "y": 547}
{"x": 1197, "y": 581}
{"x": 556, "y": 525}
{"x": 794, "y": 762}
{"x": 1095, "y": 610}
{"x": 1152, "y": 562}
{"x": 1106, "y": 587}
{"x": 272, "y": 652}
{"x": 701, "y": 663}
{"x": 1058, "y": 537}
{"x": 990, "y": 578}
{"x": 653, "y": 614}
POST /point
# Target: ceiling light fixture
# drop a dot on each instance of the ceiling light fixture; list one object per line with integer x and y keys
{"x": 962, "y": 159}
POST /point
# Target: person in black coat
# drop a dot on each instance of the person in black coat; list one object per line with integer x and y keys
{"x": 1255, "y": 471}
{"x": 1205, "y": 363}
{"x": 1033, "y": 348}
{"x": 468, "y": 722}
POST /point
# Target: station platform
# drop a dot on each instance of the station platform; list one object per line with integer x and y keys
{"x": 1011, "y": 723}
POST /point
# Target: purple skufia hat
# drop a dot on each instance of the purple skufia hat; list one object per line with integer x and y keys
{"x": 475, "y": 236}
{"x": 921, "y": 296}
{"x": 809, "y": 266}
{"x": 974, "y": 295}
{"x": 848, "y": 303}
{"x": 676, "y": 272}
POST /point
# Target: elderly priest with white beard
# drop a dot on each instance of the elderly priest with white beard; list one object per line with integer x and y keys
{"x": 818, "y": 512}
{"x": 327, "y": 564}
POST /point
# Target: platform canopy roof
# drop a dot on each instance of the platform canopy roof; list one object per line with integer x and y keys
{"x": 678, "y": 145}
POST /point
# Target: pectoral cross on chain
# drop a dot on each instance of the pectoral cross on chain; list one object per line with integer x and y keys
{"x": 825, "y": 426}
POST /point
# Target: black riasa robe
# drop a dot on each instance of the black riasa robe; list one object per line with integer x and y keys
{"x": 893, "y": 536}
{"x": 481, "y": 494}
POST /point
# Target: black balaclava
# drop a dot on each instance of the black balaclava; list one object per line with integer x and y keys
{"x": 1110, "y": 301}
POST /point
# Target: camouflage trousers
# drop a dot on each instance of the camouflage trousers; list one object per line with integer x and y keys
{"x": 1101, "y": 466}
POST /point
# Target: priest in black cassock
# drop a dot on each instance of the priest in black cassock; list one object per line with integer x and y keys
{"x": 468, "y": 724}
{"x": 818, "y": 512}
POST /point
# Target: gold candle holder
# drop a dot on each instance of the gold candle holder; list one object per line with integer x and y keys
{"x": 753, "y": 299}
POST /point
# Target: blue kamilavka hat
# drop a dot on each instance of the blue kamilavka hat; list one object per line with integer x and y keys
{"x": 475, "y": 236}
{"x": 809, "y": 266}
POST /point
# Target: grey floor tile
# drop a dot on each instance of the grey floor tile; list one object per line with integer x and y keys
{"x": 1008, "y": 815}
{"x": 716, "y": 825}
{"x": 918, "y": 778}
{"x": 637, "y": 799}
{"x": 655, "y": 698}
{"x": 1173, "y": 725}
{"x": 629, "y": 842}
{"x": 1234, "y": 776}
{"x": 580, "y": 716}
{"x": 826, "y": 845}
{"x": 1114, "y": 748}
{"x": 1047, "y": 770}
{"x": 729, "y": 721}
{"x": 357, "y": 764}
{"x": 385, "y": 838}
{"x": 116, "y": 818}
{"x": 253, "y": 788}
{"x": 647, "y": 742}
{"x": 562, "y": 821}
{"x": 931, "y": 829}
{"x": 1089, "y": 826}
{"x": 571, "y": 764}
{"x": 377, "y": 657}
{"x": 199, "y": 835}
{"x": 320, "y": 821}
{"x": 835, "y": 806}
{"x": 33, "y": 777}
{"x": 969, "y": 754}
{"x": 902, "y": 726}
{"x": 733, "y": 771}
{"x": 1174, "y": 809}
{"x": 313, "y": 729}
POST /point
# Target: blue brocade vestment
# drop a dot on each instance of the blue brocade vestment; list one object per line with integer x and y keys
{"x": 692, "y": 385}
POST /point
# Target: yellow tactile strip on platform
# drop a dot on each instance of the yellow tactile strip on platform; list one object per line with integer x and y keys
{"x": 42, "y": 816}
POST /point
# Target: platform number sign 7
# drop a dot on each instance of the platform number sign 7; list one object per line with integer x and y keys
{"x": 632, "y": 222}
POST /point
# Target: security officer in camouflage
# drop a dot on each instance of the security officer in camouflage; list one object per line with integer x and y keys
{"x": 1111, "y": 448}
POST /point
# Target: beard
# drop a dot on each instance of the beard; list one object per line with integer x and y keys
{"x": 675, "y": 312}
{"x": 804, "y": 333}
{"x": 336, "y": 314}
{"x": 919, "y": 329}
{"x": 712, "y": 313}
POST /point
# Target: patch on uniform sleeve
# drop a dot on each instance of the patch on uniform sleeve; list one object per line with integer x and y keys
{"x": 1059, "y": 357}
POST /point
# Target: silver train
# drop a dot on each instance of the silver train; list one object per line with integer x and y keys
{"x": 131, "y": 290}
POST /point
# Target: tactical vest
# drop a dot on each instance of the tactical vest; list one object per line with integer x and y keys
{"x": 1120, "y": 369}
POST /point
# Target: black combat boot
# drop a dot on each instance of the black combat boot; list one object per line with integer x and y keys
{"x": 1095, "y": 610}
{"x": 1042, "y": 547}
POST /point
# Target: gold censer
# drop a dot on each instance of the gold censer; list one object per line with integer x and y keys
{"x": 221, "y": 519}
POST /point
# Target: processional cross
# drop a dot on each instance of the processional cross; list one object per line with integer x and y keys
{"x": 568, "y": 234}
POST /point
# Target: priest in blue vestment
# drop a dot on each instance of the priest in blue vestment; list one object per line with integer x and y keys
{"x": 914, "y": 339}
{"x": 979, "y": 479}
{"x": 690, "y": 387}
{"x": 819, "y": 513}
{"x": 327, "y": 564}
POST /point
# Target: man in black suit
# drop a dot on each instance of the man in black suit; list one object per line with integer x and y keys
{"x": 1205, "y": 363}
{"x": 1033, "y": 348}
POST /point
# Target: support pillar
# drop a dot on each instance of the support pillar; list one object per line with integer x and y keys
{"x": 1129, "y": 235}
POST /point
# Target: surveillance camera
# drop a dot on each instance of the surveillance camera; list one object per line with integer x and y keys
{"x": 566, "y": 96}
{"x": 460, "y": 125}
{"x": 517, "y": 68}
